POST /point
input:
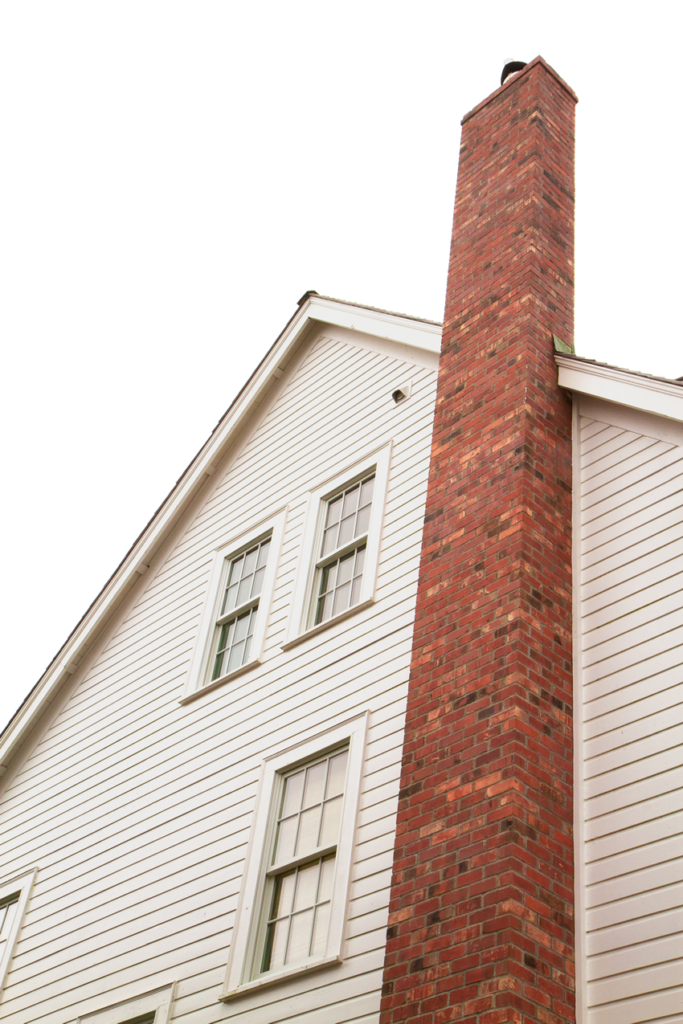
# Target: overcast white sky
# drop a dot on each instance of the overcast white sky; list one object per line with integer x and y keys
{"x": 176, "y": 174}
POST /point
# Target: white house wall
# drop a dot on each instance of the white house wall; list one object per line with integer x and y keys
{"x": 630, "y": 808}
{"x": 136, "y": 809}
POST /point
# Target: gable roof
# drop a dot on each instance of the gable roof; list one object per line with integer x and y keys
{"x": 313, "y": 309}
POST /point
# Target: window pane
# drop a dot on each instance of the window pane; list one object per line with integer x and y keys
{"x": 257, "y": 582}
{"x": 263, "y": 554}
{"x": 346, "y": 531}
{"x": 244, "y": 591}
{"x": 283, "y": 895}
{"x": 306, "y": 886}
{"x": 286, "y": 836}
{"x": 356, "y": 591}
{"x": 366, "y": 491}
{"x": 236, "y": 657}
{"x": 315, "y": 783}
{"x": 363, "y": 521}
{"x": 324, "y": 610}
{"x": 351, "y": 501}
{"x": 241, "y": 627}
{"x": 230, "y": 598}
{"x": 326, "y": 877}
{"x": 360, "y": 561}
{"x": 236, "y": 569}
{"x": 330, "y": 540}
{"x": 309, "y": 824}
{"x": 276, "y": 944}
{"x": 329, "y": 831}
{"x": 300, "y": 937}
{"x": 249, "y": 562}
{"x": 345, "y": 570}
{"x": 320, "y": 929}
{"x": 341, "y": 599}
{"x": 294, "y": 787}
{"x": 328, "y": 578}
{"x": 336, "y": 775}
{"x": 334, "y": 511}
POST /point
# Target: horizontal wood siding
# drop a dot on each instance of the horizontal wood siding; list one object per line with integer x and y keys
{"x": 632, "y": 681}
{"x": 137, "y": 809}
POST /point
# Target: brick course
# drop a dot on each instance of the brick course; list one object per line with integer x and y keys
{"x": 481, "y": 914}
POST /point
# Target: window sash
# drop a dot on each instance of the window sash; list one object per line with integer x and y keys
{"x": 290, "y": 916}
{"x": 218, "y": 609}
{"x": 310, "y": 797}
{"x": 301, "y": 621}
{"x": 259, "y": 876}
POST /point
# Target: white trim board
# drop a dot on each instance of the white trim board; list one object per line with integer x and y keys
{"x": 404, "y": 331}
{"x": 648, "y": 394}
{"x": 23, "y": 884}
{"x": 159, "y": 1002}
{"x": 628, "y": 418}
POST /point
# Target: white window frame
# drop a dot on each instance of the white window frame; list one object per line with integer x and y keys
{"x": 159, "y": 1002}
{"x": 243, "y": 951}
{"x": 299, "y": 626}
{"x": 200, "y": 663}
{"x": 22, "y": 883}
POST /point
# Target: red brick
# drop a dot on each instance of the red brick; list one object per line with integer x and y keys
{"x": 483, "y": 874}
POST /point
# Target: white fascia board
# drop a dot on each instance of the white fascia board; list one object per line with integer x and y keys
{"x": 376, "y": 322}
{"x": 314, "y": 309}
{"x": 661, "y": 397}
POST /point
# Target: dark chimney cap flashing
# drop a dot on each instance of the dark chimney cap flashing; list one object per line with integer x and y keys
{"x": 511, "y": 68}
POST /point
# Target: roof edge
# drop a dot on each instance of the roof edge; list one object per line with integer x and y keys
{"x": 314, "y": 309}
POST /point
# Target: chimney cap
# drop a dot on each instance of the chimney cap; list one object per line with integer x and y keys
{"x": 511, "y": 68}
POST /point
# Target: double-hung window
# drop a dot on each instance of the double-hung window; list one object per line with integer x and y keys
{"x": 341, "y": 544}
{"x": 233, "y": 621}
{"x": 239, "y": 608}
{"x": 293, "y": 900}
{"x": 299, "y": 879}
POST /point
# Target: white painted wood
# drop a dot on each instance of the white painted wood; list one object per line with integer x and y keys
{"x": 629, "y": 680}
{"x": 199, "y": 480}
{"x": 139, "y": 809}
{"x": 649, "y": 394}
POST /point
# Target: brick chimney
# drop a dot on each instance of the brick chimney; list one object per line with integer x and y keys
{"x": 481, "y": 914}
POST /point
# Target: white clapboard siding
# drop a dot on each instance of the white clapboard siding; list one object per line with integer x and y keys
{"x": 631, "y": 676}
{"x": 137, "y": 809}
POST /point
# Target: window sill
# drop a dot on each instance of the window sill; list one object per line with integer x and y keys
{"x": 273, "y": 979}
{"x": 187, "y": 698}
{"x": 314, "y": 630}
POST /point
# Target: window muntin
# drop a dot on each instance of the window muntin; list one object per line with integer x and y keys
{"x": 340, "y": 567}
{"x": 9, "y": 905}
{"x": 298, "y": 884}
{"x": 237, "y": 621}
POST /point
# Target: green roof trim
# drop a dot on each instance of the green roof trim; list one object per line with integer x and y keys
{"x": 562, "y": 347}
